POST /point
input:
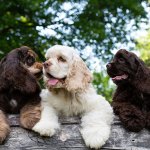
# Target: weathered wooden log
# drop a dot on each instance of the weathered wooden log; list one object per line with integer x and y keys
{"x": 69, "y": 138}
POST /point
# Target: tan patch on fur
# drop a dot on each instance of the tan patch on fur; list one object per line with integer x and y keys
{"x": 30, "y": 115}
{"x": 38, "y": 65}
{"x": 4, "y": 127}
{"x": 36, "y": 70}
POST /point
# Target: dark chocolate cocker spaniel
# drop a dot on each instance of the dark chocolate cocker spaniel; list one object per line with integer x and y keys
{"x": 131, "y": 101}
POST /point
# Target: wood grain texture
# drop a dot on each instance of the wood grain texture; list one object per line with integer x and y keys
{"x": 69, "y": 138}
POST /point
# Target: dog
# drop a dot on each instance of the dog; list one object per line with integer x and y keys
{"x": 131, "y": 101}
{"x": 19, "y": 88}
{"x": 69, "y": 93}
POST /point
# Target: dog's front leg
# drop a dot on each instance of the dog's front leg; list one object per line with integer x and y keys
{"x": 131, "y": 116}
{"x": 48, "y": 123}
{"x": 96, "y": 124}
{"x": 30, "y": 114}
{"x": 4, "y": 127}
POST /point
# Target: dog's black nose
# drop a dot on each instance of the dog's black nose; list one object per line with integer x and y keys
{"x": 108, "y": 65}
{"x": 47, "y": 64}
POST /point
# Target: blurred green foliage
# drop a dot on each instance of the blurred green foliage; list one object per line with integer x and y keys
{"x": 99, "y": 24}
{"x": 143, "y": 45}
{"x": 96, "y": 23}
{"x": 102, "y": 84}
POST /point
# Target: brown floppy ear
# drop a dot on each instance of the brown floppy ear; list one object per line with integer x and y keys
{"x": 78, "y": 76}
{"x": 142, "y": 77}
{"x": 141, "y": 68}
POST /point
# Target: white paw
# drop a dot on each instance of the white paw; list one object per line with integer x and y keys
{"x": 95, "y": 137}
{"x": 45, "y": 128}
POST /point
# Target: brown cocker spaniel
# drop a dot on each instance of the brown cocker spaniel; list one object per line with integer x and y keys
{"x": 131, "y": 101}
{"x": 19, "y": 88}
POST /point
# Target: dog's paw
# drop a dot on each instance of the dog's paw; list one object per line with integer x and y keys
{"x": 45, "y": 128}
{"x": 95, "y": 137}
{"x": 134, "y": 125}
{"x": 29, "y": 116}
{"x": 132, "y": 121}
{"x": 4, "y": 131}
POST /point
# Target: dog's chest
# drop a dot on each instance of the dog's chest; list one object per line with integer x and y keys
{"x": 15, "y": 101}
{"x": 68, "y": 106}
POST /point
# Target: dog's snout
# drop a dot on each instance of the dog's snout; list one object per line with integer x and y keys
{"x": 108, "y": 65}
{"x": 47, "y": 64}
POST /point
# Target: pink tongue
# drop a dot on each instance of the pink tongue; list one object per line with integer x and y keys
{"x": 117, "y": 78}
{"x": 120, "y": 77}
{"x": 53, "y": 81}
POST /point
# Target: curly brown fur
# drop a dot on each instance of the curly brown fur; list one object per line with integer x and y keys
{"x": 18, "y": 86}
{"x": 131, "y": 101}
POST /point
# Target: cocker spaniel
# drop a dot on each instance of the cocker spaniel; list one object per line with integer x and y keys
{"x": 70, "y": 92}
{"x": 131, "y": 101}
{"x": 19, "y": 89}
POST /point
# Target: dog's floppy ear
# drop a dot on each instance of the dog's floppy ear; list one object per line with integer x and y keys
{"x": 142, "y": 76}
{"x": 141, "y": 68}
{"x": 78, "y": 76}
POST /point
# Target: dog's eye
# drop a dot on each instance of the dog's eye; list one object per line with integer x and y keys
{"x": 30, "y": 61}
{"x": 121, "y": 60}
{"x": 61, "y": 59}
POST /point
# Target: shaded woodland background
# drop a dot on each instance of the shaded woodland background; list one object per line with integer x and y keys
{"x": 94, "y": 27}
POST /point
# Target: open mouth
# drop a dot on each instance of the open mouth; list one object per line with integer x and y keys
{"x": 52, "y": 80}
{"x": 120, "y": 77}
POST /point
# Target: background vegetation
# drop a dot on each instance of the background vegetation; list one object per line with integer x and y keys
{"x": 100, "y": 25}
{"x": 143, "y": 45}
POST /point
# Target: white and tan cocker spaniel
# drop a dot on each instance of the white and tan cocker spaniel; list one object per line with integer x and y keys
{"x": 70, "y": 92}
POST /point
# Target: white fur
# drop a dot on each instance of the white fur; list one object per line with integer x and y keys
{"x": 96, "y": 112}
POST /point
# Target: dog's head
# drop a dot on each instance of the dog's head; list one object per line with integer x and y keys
{"x": 65, "y": 69}
{"x": 125, "y": 67}
{"x": 26, "y": 55}
{"x": 23, "y": 57}
{"x": 28, "y": 58}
